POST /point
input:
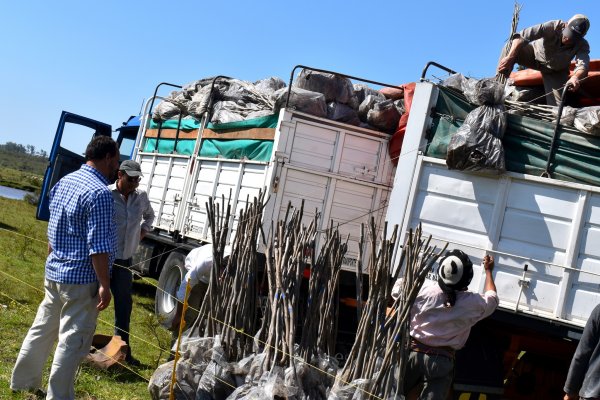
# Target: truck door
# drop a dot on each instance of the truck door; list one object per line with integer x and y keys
{"x": 73, "y": 134}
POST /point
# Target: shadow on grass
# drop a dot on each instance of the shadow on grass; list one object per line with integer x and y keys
{"x": 144, "y": 289}
{"x": 8, "y": 227}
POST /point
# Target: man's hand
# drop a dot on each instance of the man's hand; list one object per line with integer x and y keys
{"x": 573, "y": 83}
{"x": 488, "y": 263}
{"x": 571, "y": 396}
{"x": 506, "y": 65}
{"x": 104, "y": 297}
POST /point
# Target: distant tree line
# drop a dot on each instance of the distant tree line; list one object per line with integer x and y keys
{"x": 28, "y": 149}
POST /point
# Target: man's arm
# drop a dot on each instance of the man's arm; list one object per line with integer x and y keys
{"x": 507, "y": 63}
{"x": 583, "y": 354}
{"x": 147, "y": 215}
{"x": 582, "y": 66}
{"x": 488, "y": 266}
{"x": 100, "y": 264}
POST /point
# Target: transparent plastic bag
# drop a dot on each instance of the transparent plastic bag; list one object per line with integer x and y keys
{"x": 367, "y": 105}
{"x": 454, "y": 81}
{"x": 567, "y": 117}
{"x": 342, "y": 113}
{"x": 587, "y": 120}
{"x": 477, "y": 145}
{"x": 354, "y": 390}
{"x": 333, "y": 87}
{"x": 269, "y": 85}
{"x": 216, "y": 381}
{"x": 302, "y": 100}
{"x": 361, "y": 91}
{"x": 384, "y": 116}
{"x": 484, "y": 91}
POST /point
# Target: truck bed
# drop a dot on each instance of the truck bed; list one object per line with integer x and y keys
{"x": 342, "y": 172}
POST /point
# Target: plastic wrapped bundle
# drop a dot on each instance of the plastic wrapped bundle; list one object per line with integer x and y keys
{"x": 342, "y": 113}
{"x": 315, "y": 382}
{"x": 484, "y": 91}
{"x": 399, "y": 104}
{"x": 477, "y": 145}
{"x": 361, "y": 91}
{"x": 349, "y": 391}
{"x": 384, "y": 116}
{"x": 367, "y": 105}
{"x": 171, "y": 106}
{"x": 195, "y": 356}
{"x": 567, "y": 117}
{"x": 216, "y": 381}
{"x": 160, "y": 382}
{"x": 199, "y": 102}
{"x": 454, "y": 81}
{"x": 333, "y": 87}
{"x": 301, "y": 100}
{"x": 270, "y": 386}
{"x": 587, "y": 120}
{"x": 231, "y": 111}
{"x": 270, "y": 85}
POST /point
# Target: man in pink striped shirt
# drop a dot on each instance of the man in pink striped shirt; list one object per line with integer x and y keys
{"x": 441, "y": 320}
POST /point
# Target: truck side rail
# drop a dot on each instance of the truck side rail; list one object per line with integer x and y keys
{"x": 287, "y": 101}
{"x": 440, "y": 66}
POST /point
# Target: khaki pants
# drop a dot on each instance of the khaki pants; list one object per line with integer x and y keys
{"x": 67, "y": 313}
{"x": 553, "y": 80}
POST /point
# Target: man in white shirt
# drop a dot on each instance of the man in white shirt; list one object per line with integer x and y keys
{"x": 441, "y": 319}
{"x": 134, "y": 216}
{"x": 198, "y": 263}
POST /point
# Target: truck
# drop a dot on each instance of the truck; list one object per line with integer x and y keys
{"x": 340, "y": 171}
{"x": 540, "y": 229}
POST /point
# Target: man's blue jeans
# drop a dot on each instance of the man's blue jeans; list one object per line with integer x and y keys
{"x": 120, "y": 286}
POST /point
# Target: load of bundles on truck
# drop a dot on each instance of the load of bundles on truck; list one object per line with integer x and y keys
{"x": 321, "y": 94}
{"x": 479, "y": 125}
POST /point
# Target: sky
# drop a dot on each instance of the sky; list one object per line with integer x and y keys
{"x": 103, "y": 59}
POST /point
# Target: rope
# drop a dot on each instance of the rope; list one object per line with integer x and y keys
{"x": 238, "y": 330}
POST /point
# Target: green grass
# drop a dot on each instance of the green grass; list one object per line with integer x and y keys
{"x": 21, "y": 170}
{"x": 23, "y": 250}
{"x": 20, "y": 180}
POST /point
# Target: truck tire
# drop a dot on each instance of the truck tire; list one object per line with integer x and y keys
{"x": 171, "y": 275}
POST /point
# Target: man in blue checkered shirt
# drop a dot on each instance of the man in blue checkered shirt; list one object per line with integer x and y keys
{"x": 81, "y": 246}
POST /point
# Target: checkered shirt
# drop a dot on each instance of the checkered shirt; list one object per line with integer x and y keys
{"x": 81, "y": 224}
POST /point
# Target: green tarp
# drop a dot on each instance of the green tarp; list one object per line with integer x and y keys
{"x": 186, "y": 124}
{"x": 233, "y": 149}
{"x": 526, "y": 142}
{"x": 269, "y": 121}
{"x": 251, "y": 149}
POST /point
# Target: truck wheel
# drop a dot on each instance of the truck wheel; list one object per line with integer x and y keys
{"x": 171, "y": 275}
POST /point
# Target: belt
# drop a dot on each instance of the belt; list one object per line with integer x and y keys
{"x": 443, "y": 351}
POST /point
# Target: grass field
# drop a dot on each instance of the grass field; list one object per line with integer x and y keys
{"x": 23, "y": 250}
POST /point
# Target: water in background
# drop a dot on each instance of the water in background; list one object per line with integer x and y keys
{"x": 11, "y": 193}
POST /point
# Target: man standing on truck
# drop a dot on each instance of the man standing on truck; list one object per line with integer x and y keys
{"x": 583, "y": 380}
{"x": 134, "y": 217}
{"x": 81, "y": 247}
{"x": 549, "y": 48}
{"x": 441, "y": 320}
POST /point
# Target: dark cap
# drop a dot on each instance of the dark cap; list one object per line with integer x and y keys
{"x": 131, "y": 168}
{"x": 576, "y": 27}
